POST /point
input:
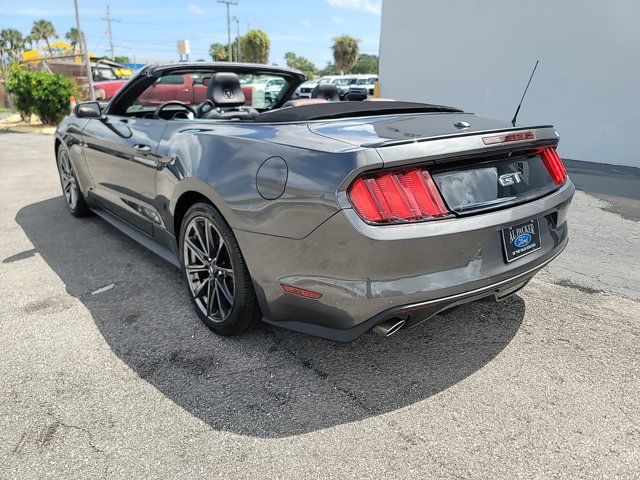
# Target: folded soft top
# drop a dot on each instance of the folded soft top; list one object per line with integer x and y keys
{"x": 323, "y": 111}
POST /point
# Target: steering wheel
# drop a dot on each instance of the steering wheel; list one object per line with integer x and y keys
{"x": 175, "y": 103}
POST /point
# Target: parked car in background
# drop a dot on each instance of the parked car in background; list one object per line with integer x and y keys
{"x": 367, "y": 81}
{"x": 343, "y": 83}
{"x": 305, "y": 90}
{"x": 264, "y": 89}
{"x": 108, "y": 78}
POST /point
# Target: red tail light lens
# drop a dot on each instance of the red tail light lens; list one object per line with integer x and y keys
{"x": 397, "y": 197}
{"x": 554, "y": 164}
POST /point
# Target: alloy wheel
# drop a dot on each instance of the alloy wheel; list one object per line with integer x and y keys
{"x": 68, "y": 180}
{"x": 208, "y": 269}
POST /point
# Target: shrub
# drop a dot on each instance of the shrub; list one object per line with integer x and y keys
{"x": 45, "y": 94}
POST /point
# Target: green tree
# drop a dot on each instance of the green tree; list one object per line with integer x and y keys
{"x": 121, "y": 59}
{"x": 44, "y": 30}
{"x": 300, "y": 63}
{"x": 255, "y": 46}
{"x": 45, "y": 94}
{"x": 329, "y": 69}
{"x": 73, "y": 35}
{"x": 345, "y": 53}
{"x": 366, "y": 64}
{"x": 219, "y": 52}
{"x": 31, "y": 40}
{"x": 11, "y": 44}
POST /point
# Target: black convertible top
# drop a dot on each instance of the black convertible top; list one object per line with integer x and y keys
{"x": 321, "y": 111}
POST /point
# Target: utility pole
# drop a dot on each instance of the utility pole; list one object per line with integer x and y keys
{"x": 109, "y": 20}
{"x": 85, "y": 50}
{"x": 228, "y": 3}
{"x": 238, "y": 54}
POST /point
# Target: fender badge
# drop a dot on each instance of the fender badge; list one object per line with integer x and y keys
{"x": 461, "y": 124}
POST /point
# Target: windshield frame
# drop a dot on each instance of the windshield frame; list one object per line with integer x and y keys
{"x": 148, "y": 75}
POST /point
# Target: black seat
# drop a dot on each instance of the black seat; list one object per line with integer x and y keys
{"x": 326, "y": 91}
{"x": 225, "y": 99}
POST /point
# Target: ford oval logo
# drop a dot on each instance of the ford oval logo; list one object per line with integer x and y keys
{"x": 522, "y": 240}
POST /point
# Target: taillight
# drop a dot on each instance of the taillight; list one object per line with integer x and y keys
{"x": 554, "y": 164}
{"x": 397, "y": 197}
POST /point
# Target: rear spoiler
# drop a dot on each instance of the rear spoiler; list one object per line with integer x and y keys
{"x": 464, "y": 144}
{"x": 391, "y": 143}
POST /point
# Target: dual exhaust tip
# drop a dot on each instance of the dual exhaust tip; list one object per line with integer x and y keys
{"x": 389, "y": 327}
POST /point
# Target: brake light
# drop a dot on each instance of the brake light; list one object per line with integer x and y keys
{"x": 554, "y": 164}
{"x": 396, "y": 197}
{"x": 509, "y": 137}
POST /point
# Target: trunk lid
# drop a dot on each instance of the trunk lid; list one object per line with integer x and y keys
{"x": 472, "y": 173}
{"x": 393, "y": 129}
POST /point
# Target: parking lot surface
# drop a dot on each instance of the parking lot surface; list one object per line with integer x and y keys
{"x": 106, "y": 371}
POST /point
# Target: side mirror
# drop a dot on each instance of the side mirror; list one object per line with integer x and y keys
{"x": 88, "y": 110}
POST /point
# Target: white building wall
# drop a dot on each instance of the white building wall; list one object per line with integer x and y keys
{"x": 478, "y": 55}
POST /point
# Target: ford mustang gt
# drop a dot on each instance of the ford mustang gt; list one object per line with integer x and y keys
{"x": 326, "y": 217}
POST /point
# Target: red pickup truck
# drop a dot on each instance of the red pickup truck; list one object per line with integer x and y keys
{"x": 186, "y": 88}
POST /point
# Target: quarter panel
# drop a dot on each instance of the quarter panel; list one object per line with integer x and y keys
{"x": 221, "y": 161}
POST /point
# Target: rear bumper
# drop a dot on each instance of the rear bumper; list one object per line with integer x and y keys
{"x": 368, "y": 274}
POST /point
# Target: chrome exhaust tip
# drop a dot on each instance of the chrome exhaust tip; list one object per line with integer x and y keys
{"x": 389, "y": 327}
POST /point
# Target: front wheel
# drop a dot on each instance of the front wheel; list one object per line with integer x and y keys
{"x": 70, "y": 188}
{"x": 219, "y": 283}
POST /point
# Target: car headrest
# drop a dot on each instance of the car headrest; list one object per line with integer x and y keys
{"x": 328, "y": 91}
{"x": 224, "y": 90}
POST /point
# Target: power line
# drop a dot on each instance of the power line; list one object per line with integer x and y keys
{"x": 109, "y": 31}
{"x": 228, "y": 3}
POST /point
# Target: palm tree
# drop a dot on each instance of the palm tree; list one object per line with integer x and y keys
{"x": 44, "y": 30}
{"x": 31, "y": 40}
{"x": 255, "y": 47}
{"x": 74, "y": 38}
{"x": 218, "y": 52}
{"x": 11, "y": 43}
{"x": 345, "y": 53}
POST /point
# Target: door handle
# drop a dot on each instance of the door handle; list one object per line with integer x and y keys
{"x": 142, "y": 148}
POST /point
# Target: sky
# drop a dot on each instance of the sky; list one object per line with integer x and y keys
{"x": 149, "y": 29}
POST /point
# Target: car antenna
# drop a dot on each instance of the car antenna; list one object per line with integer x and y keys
{"x": 513, "y": 121}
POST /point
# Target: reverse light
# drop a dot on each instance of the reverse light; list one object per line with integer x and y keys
{"x": 554, "y": 164}
{"x": 397, "y": 197}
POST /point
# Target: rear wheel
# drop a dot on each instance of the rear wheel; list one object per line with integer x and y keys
{"x": 217, "y": 277}
{"x": 70, "y": 188}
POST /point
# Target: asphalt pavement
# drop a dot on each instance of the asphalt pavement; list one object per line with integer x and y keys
{"x": 106, "y": 372}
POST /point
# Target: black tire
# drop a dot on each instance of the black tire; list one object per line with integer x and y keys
{"x": 244, "y": 313}
{"x": 71, "y": 191}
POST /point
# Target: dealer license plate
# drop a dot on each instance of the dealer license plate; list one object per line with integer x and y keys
{"x": 521, "y": 239}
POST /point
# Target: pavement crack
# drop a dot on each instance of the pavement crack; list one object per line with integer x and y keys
{"x": 308, "y": 365}
{"x": 90, "y": 441}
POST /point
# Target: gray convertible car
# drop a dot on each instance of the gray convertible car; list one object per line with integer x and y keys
{"x": 326, "y": 217}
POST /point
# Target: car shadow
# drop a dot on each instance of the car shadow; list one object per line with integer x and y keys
{"x": 269, "y": 382}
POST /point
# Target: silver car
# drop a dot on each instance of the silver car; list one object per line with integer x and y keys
{"x": 329, "y": 218}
